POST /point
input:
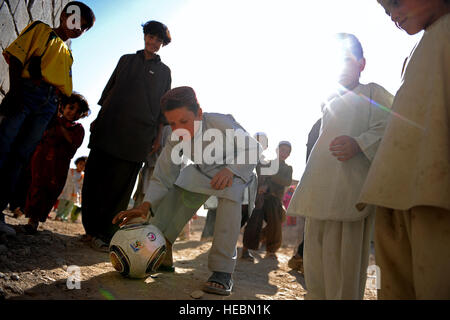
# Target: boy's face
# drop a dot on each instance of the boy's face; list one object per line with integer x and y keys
{"x": 350, "y": 70}
{"x": 283, "y": 152}
{"x": 183, "y": 118}
{"x": 413, "y": 16}
{"x": 71, "y": 112}
{"x": 152, "y": 43}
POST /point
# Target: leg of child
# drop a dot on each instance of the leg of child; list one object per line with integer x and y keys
{"x": 64, "y": 208}
{"x": 175, "y": 211}
{"x": 336, "y": 258}
{"x": 412, "y": 253}
{"x": 75, "y": 213}
{"x": 17, "y": 142}
{"x": 222, "y": 257}
{"x": 273, "y": 232}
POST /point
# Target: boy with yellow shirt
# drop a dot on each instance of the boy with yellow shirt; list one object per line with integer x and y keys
{"x": 39, "y": 71}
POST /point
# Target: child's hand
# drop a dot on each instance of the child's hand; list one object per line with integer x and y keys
{"x": 344, "y": 148}
{"x": 222, "y": 179}
{"x": 124, "y": 217}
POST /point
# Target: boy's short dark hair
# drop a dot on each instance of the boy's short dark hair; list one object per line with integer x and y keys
{"x": 86, "y": 13}
{"x": 178, "y": 98}
{"x": 77, "y": 98}
{"x": 157, "y": 29}
{"x": 80, "y": 159}
{"x": 351, "y": 43}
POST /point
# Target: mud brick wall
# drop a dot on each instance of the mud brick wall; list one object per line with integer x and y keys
{"x": 15, "y": 15}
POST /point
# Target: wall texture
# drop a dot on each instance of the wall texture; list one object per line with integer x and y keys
{"x": 15, "y": 15}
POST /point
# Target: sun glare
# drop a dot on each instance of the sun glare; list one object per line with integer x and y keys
{"x": 269, "y": 64}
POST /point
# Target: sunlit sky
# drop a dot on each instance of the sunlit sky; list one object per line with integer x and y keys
{"x": 261, "y": 61}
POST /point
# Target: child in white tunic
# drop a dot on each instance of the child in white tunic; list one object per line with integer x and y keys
{"x": 409, "y": 180}
{"x": 337, "y": 236}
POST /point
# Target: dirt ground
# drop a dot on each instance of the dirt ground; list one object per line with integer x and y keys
{"x": 35, "y": 267}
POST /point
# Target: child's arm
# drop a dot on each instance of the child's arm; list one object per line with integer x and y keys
{"x": 111, "y": 81}
{"x": 65, "y": 133}
{"x": 381, "y": 103}
{"x": 345, "y": 147}
{"x": 73, "y": 137}
{"x": 283, "y": 177}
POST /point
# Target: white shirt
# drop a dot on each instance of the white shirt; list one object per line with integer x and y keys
{"x": 329, "y": 188}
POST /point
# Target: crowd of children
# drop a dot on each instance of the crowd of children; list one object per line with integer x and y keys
{"x": 374, "y": 161}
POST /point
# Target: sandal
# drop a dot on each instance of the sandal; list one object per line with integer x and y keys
{"x": 246, "y": 255}
{"x": 222, "y": 278}
{"x": 98, "y": 245}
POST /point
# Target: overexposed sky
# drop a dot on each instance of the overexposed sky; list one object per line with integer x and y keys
{"x": 261, "y": 61}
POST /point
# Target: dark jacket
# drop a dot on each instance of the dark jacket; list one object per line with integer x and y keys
{"x": 128, "y": 120}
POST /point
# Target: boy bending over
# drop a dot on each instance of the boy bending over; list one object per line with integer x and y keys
{"x": 223, "y": 168}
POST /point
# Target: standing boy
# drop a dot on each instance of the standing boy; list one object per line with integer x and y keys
{"x": 269, "y": 207}
{"x": 39, "y": 71}
{"x": 409, "y": 180}
{"x": 337, "y": 236}
{"x": 225, "y": 171}
{"x": 127, "y": 129}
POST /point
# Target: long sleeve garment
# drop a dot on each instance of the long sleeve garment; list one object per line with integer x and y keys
{"x": 412, "y": 166}
{"x": 130, "y": 115}
{"x": 196, "y": 177}
{"x": 49, "y": 167}
{"x": 329, "y": 188}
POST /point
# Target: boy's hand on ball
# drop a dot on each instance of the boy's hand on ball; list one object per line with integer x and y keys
{"x": 344, "y": 148}
{"x": 140, "y": 212}
{"x": 222, "y": 179}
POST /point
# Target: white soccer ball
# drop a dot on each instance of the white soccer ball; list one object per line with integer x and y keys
{"x": 137, "y": 250}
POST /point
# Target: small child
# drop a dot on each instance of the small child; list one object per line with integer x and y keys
{"x": 70, "y": 198}
{"x": 269, "y": 207}
{"x": 409, "y": 180}
{"x": 39, "y": 71}
{"x": 51, "y": 160}
{"x": 337, "y": 236}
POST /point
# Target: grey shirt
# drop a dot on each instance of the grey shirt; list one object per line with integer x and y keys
{"x": 197, "y": 177}
{"x": 128, "y": 120}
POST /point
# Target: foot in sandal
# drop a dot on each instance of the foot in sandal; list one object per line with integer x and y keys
{"x": 220, "y": 283}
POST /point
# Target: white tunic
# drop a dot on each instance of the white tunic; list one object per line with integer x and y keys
{"x": 412, "y": 166}
{"x": 329, "y": 188}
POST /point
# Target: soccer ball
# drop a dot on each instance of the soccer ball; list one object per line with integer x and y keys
{"x": 137, "y": 250}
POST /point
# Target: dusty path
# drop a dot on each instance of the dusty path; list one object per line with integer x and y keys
{"x": 35, "y": 267}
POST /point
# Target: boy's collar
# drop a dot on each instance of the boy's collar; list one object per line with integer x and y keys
{"x": 141, "y": 53}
